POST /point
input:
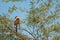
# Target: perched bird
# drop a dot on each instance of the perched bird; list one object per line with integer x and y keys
{"x": 17, "y": 21}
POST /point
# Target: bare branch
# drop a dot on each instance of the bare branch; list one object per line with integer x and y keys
{"x": 28, "y": 32}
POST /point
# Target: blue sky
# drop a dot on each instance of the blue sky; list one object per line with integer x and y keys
{"x": 24, "y": 5}
{"x": 5, "y": 6}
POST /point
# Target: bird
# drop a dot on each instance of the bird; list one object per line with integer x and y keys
{"x": 17, "y": 21}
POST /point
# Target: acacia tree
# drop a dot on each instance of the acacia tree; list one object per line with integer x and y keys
{"x": 41, "y": 21}
{"x": 7, "y": 31}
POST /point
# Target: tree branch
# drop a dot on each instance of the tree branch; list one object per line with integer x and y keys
{"x": 19, "y": 35}
{"x": 28, "y": 32}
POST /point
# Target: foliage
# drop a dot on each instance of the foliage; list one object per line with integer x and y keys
{"x": 7, "y": 30}
{"x": 43, "y": 20}
{"x": 40, "y": 22}
{"x": 56, "y": 38}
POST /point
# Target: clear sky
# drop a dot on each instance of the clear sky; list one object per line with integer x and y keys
{"x": 4, "y": 6}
